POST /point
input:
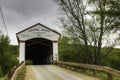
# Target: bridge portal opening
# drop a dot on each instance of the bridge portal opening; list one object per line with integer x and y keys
{"x": 39, "y": 51}
{"x": 39, "y": 44}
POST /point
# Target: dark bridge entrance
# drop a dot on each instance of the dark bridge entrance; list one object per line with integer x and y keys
{"x": 39, "y": 51}
{"x": 39, "y": 44}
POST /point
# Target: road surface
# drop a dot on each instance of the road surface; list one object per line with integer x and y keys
{"x": 52, "y": 72}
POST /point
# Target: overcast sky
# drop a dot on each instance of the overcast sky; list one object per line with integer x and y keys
{"x": 21, "y": 14}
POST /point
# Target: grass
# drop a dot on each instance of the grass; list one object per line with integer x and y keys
{"x": 100, "y": 74}
{"x": 21, "y": 75}
{"x": 116, "y": 77}
{"x": 4, "y": 77}
{"x": 103, "y": 75}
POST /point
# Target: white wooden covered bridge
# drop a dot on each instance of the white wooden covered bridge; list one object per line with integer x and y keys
{"x": 38, "y": 43}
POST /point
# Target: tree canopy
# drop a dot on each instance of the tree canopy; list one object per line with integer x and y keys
{"x": 101, "y": 30}
{"x": 8, "y": 55}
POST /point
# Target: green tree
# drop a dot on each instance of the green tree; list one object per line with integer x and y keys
{"x": 69, "y": 52}
{"x": 4, "y": 45}
{"x": 8, "y": 54}
{"x": 90, "y": 34}
{"x": 108, "y": 20}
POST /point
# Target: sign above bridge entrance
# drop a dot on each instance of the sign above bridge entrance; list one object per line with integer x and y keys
{"x": 38, "y": 31}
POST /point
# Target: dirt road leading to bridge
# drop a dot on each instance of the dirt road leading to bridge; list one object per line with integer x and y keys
{"x": 52, "y": 72}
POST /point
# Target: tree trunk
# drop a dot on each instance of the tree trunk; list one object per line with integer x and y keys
{"x": 102, "y": 17}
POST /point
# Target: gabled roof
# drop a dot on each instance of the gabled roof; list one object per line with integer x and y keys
{"x": 36, "y": 25}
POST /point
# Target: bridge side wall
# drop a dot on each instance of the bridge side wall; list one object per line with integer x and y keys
{"x": 55, "y": 50}
{"x": 21, "y": 51}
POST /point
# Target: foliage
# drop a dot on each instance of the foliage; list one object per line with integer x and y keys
{"x": 1, "y": 74}
{"x": 21, "y": 75}
{"x": 8, "y": 54}
{"x": 93, "y": 34}
{"x": 113, "y": 59}
{"x": 28, "y": 62}
{"x": 69, "y": 52}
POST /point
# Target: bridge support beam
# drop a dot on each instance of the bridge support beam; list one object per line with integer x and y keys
{"x": 21, "y": 51}
{"x": 55, "y": 50}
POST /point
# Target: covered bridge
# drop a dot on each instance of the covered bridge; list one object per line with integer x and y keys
{"x": 39, "y": 44}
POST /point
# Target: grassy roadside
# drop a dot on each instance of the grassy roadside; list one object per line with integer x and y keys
{"x": 101, "y": 75}
{"x": 4, "y": 78}
{"x": 21, "y": 75}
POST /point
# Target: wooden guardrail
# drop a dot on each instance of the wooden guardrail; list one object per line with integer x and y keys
{"x": 108, "y": 70}
{"x": 15, "y": 71}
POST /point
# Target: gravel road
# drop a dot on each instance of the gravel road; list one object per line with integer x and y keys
{"x": 52, "y": 72}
